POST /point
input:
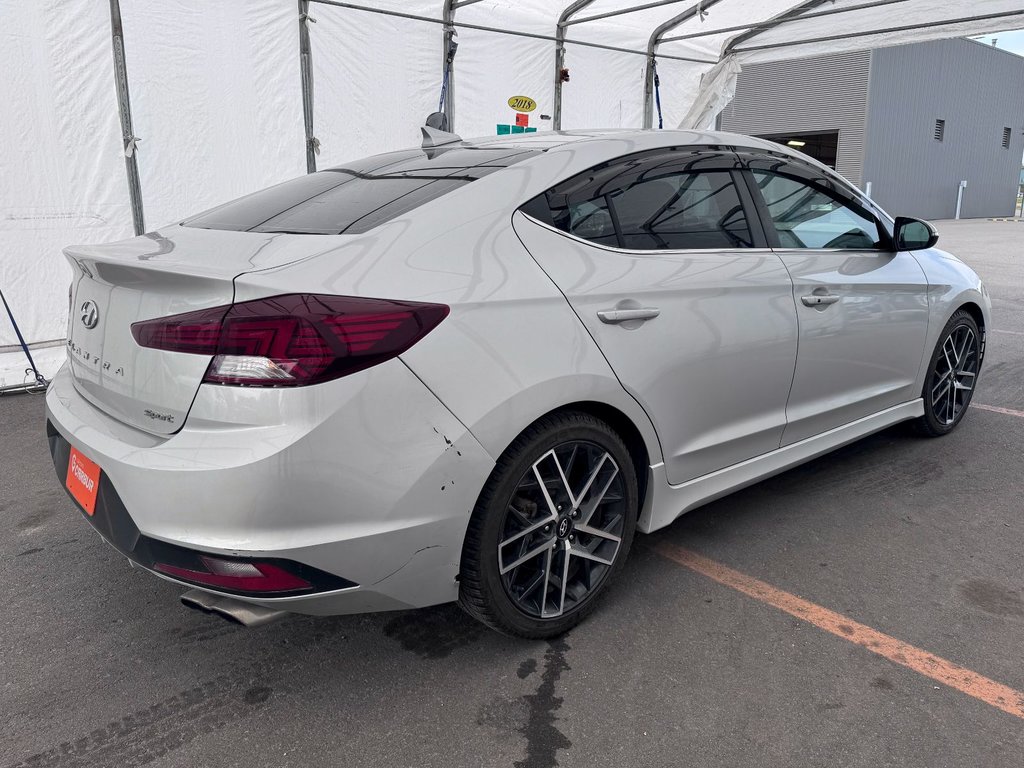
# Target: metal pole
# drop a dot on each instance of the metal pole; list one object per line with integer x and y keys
{"x": 448, "y": 63}
{"x": 887, "y": 30}
{"x": 128, "y": 138}
{"x": 791, "y": 15}
{"x": 563, "y": 20}
{"x": 652, "y": 49}
{"x": 960, "y": 196}
{"x": 794, "y": 14}
{"x": 623, "y": 11}
{"x": 512, "y": 32}
{"x": 306, "y": 73}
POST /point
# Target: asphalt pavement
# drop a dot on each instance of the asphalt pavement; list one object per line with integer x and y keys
{"x": 918, "y": 540}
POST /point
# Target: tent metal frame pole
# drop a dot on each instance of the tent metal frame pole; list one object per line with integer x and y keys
{"x": 512, "y": 32}
{"x": 124, "y": 107}
{"x": 448, "y": 63}
{"x": 763, "y": 26}
{"x": 624, "y": 11}
{"x": 791, "y": 14}
{"x": 887, "y": 30}
{"x": 448, "y": 57}
{"x": 652, "y": 51}
{"x": 563, "y": 22}
{"x": 306, "y": 74}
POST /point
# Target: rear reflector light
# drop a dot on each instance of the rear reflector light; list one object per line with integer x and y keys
{"x": 237, "y": 576}
{"x": 293, "y": 340}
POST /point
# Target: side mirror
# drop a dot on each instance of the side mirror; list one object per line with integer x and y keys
{"x": 914, "y": 234}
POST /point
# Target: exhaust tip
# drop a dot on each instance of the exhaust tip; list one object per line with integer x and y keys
{"x": 229, "y": 609}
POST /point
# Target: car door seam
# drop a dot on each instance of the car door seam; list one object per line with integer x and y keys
{"x": 604, "y": 357}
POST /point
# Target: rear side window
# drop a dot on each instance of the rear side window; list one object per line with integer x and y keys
{"x": 358, "y": 197}
{"x": 670, "y": 200}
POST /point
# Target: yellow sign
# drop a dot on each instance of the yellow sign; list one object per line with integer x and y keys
{"x": 522, "y": 104}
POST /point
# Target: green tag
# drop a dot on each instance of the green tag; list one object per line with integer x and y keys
{"x": 503, "y": 129}
{"x": 517, "y": 129}
{"x": 531, "y": 130}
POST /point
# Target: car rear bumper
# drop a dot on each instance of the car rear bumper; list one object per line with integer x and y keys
{"x": 368, "y": 478}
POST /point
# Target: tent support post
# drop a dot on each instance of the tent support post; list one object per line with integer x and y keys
{"x": 652, "y": 52}
{"x": 124, "y": 108}
{"x": 448, "y": 57}
{"x": 563, "y": 21}
{"x": 306, "y": 74}
{"x": 448, "y": 63}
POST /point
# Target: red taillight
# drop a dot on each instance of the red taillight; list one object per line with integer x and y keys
{"x": 295, "y": 339}
{"x": 237, "y": 576}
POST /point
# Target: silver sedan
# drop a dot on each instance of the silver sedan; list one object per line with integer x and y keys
{"x": 473, "y": 370}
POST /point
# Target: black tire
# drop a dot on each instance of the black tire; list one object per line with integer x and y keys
{"x": 503, "y": 528}
{"x": 945, "y": 398}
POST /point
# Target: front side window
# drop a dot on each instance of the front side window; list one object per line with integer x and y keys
{"x": 672, "y": 200}
{"x": 807, "y": 214}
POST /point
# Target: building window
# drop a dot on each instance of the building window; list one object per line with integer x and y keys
{"x": 1006, "y": 138}
{"x": 940, "y": 129}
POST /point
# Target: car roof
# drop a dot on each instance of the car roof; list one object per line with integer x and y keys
{"x": 545, "y": 140}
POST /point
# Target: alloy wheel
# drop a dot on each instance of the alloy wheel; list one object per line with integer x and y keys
{"x": 563, "y": 529}
{"x": 953, "y": 378}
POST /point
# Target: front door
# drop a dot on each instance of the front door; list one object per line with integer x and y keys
{"x": 659, "y": 258}
{"x": 862, "y": 307}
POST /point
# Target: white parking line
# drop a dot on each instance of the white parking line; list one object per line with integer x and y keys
{"x": 1014, "y": 333}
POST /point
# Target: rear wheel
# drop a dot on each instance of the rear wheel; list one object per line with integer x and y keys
{"x": 551, "y": 529}
{"x": 952, "y": 374}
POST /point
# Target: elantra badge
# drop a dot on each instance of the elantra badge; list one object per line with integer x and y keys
{"x": 90, "y": 314}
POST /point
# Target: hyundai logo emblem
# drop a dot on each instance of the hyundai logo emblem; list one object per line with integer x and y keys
{"x": 563, "y": 528}
{"x": 90, "y": 314}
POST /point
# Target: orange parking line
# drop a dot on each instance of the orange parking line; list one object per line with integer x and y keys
{"x": 946, "y": 672}
{"x": 997, "y": 409}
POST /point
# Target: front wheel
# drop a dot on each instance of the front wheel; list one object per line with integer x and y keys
{"x": 552, "y": 527}
{"x": 952, "y": 374}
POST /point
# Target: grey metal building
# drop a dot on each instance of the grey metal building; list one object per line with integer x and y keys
{"x": 907, "y": 123}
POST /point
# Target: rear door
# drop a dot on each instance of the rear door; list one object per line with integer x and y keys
{"x": 862, "y": 307}
{"x": 660, "y": 258}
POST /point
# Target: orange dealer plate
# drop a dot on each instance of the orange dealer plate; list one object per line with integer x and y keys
{"x": 83, "y": 481}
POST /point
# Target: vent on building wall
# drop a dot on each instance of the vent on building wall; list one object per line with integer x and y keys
{"x": 940, "y": 129}
{"x": 1006, "y": 138}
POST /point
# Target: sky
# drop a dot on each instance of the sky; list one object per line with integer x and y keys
{"x": 1010, "y": 40}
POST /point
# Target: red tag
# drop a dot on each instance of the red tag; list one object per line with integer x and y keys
{"x": 522, "y": 119}
{"x": 83, "y": 481}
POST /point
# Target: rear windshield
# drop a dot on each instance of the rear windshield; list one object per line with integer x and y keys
{"x": 358, "y": 196}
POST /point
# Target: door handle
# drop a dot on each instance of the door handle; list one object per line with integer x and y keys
{"x": 613, "y": 316}
{"x": 819, "y": 299}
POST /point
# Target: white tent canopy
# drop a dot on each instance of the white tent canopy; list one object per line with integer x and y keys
{"x": 217, "y": 96}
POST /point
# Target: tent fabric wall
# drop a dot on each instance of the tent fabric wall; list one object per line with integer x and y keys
{"x": 217, "y": 101}
{"x": 357, "y": 76}
{"x": 215, "y": 98}
{"x": 60, "y": 155}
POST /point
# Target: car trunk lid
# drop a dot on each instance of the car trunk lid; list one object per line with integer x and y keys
{"x": 164, "y": 273}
